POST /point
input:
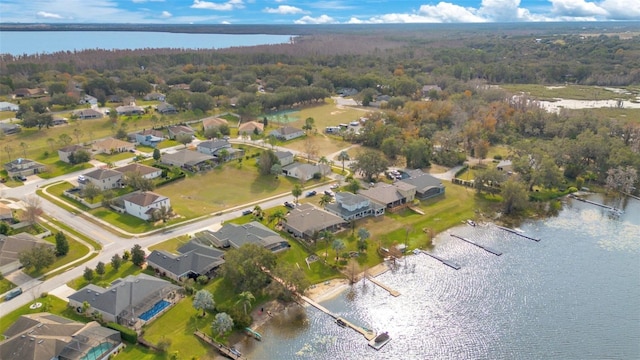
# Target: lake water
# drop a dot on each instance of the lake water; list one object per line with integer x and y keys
{"x": 573, "y": 295}
{"x": 36, "y": 42}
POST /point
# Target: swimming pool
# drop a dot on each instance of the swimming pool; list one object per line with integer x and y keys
{"x": 159, "y": 306}
{"x": 97, "y": 351}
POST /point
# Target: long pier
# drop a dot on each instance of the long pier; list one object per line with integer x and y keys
{"x": 368, "y": 334}
{"x": 611, "y": 208}
{"x": 516, "y": 233}
{"x": 375, "y": 281}
{"x": 485, "y": 248}
{"x": 224, "y": 350}
{"x": 449, "y": 263}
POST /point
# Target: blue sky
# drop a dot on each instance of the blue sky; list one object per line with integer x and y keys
{"x": 314, "y": 11}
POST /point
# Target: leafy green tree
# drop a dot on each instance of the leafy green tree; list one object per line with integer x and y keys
{"x": 79, "y": 157}
{"x": 418, "y": 153}
{"x": 179, "y": 99}
{"x": 138, "y": 181}
{"x": 116, "y": 262}
{"x": 37, "y": 258}
{"x": 100, "y": 268}
{"x": 391, "y": 147}
{"x": 370, "y": 164}
{"x": 88, "y": 274}
{"x": 203, "y": 300}
{"x": 343, "y": 156}
{"x": 328, "y": 238}
{"x": 243, "y": 267}
{"x": 353, "y": 186}
{"x": 325, "y": 199}
{"x": 277, "y": 216}
{"x": 245, "y": 298}
{"x": 201, "y": 101}
{"x": 514, "y": 196}
{"x": 276, "y": 169}
{"x": 5, "y": 229}
{"x": 292, "y": 280}
{"x": 184, "y": 139}
{"x": 308, "y": 124}
{"x": 62, "y": 245}
{"x": 137, "y": 255}
{"x": 266, "y": 161}
{"x": 156, "y": 155}
{"x": 222, "y": 323}
{"x": 91, "y": 191}
{"x": 162, "y": 213}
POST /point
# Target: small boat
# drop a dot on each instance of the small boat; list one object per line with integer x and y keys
{"x": 382, "y": 337}
{"x": 341, "y": 323}
{"x": 471, "y": 222}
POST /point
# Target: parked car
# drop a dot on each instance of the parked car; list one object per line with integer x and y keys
{"x": 334, "y": 186}
{"x": 247, "y": 212}
{"x": 327, "y": 192}
{"x": 12, "y": 294}
{"x": 289, "y": 205}
{"x": 311, "y": 193}
{"x": 21, "y": 178}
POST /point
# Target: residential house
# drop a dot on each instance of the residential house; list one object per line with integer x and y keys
{"x": 65, "y": 152}
{"x": 44, "y": 336}
{"x": 213, "y": 122}
{"x": 59, "y": 120}
{"x": 354, "y": 206}
{"x": 426, "y": 185}
{"x": 126, "y": 301}
{"x": 88, "y": 99}
{"x": 284, "y": 157}
{"x": 102, "y": 178}
{"x": 11, "y": 246}
{"x": 392, "y": 196}
{"x": 6, "y": 213}
{"x": 164, "y": 108}
{"x": 505, "y": 165}
{"x": 7, "y": 106}
{"x": 234, "y": 235}
{"x": 188, "y": 159}
{"x": 112, "y": 146}
{"x": 86, "y": 114}
{"x": 28, "y": 93}
{"x": 129, "y": 110}
{"x": 193, "y": 260}
{"x": 155, "y": 96}
{"x": 347, "y": 92}
{"x": 149, "y": 137}
{"x": 305, "y": 220}
{"x": 143, "y": 204}
{"x": 147, "y": 172}
{"x": 305, "y": 172}
{"x": 182, "y": 86}
{"x": 287, "y": 133}
{"x": 215, "y": 147}
{"x": 9, "y": 128}
{"x": 23, "y": 167}
{"x": 176, "y": 130}
{"x": 250, "y": 128}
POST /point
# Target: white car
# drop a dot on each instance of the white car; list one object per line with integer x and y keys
{"x": 334, "y": 186}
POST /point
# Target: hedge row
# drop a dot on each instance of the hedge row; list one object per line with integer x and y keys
{"x": 127, "y": 334}
{"x": 172, "y": 179}
{"x": 462, "y": 170}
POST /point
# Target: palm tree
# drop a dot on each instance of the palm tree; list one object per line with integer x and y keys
{"x": 337, "y": 245}
{"x": 278, "y": 216}
{"x": 258, "y": 212}
{"x": 325, "y": 199}
{"x": 51, "y": 143}
{"x": 328, "y": 237}
{"x": 323, "y": 160}
{"x": 246, "y": 298}
{"x": 343, "y": 156}
{"x": 24, "y": 146}
{"x": 297, "y": 191}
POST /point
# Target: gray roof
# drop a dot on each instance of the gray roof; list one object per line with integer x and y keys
{"x": 99, "y": 174}
{"x": 346, "y": 198}
{"x": 214, "y": 144}
{"x": 180, "y": 129}
{"x": 12, "y": 245}
{"x": 124, "y": 294}
{"x": 306, "y": 219}
{"x": 309, "y": 169}
{"x": 251, "y": 233}
{"x": 71, "y": 148}
{"x": 287, "y": 130}
{"x": 144, "y": 198}
{"x": 198, "y": 260}
{"x": 422, "y": 181}
{"x": 137, "y": 168}
{"x": 283, "y": 154}
{"x": 187, "y": 157}
{"x": 382, "y": 193}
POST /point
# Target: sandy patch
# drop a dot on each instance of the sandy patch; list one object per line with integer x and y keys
{"x": 327, "y": 289}
{"x": 554, "y": 87}
{"x": 336, "y": 112}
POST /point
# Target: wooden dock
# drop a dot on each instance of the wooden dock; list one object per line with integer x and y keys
{"x": 610, "y": 208}
{"x": 368, "y": 334}
{"x": 375, "y": 281}
{"x": 449, "y": 263}
{"x": 516, "y": 233}
{"x": 222, "y": 349}
{"x": 485, "y": 248}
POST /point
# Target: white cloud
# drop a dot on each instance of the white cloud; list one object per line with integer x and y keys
{"x": 355, "y": 20}
{"x": 449, "y": 13}
{"x": 622, "y": 9}
{"x": 225, "y": 6}
{"x": 225, "y": 22}
{"x": 166, "y": 14}
{"x": 576, "y": 8}
{"x": 48, "y": 15}
{"x": 322, "y": 19}
{"x": 144, "y": 1}
{"x": 284, "y": 10}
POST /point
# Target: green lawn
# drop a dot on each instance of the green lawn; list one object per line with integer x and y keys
{"x": 6, "y": 285}
{"x": 623, "y": 115}
{"x": 125, "y": 222}
{"x": 109, "y": 276}
{"x": 7, "y": 115}
{"x": 107, "y": 158}
{"x": 9, "y": 182}
{"x": 56, "y": 167}
{"x": 50, "y": 304}
{"x": 171, "y": 245}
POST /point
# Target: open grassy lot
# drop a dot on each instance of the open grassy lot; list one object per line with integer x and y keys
{"x": 56, "y": 167}
{"x": 127, "y": 268}
{"x": 50, "y": 304}
{"x": 111, "y": 158}
{"x": 6, "y": 285}
{"x": 324, "y": 144}
{"x": 576, "y": 92}
{"x": 7, "y": 115}
{"x": 624, "y": 115}
{"x": 9, "y": 182}
{"x": 171, "y": 245}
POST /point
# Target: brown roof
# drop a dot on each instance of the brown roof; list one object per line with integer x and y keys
{"x": 11, "y": 246}
{"x": 99, "y": 174}
{"x": 111, "y": 143}
{"x": 249, "y": 126}
{"x": 137, "y": 168}
{"x": 71, "y": 148}
{"x": 213, "y": 121}
{"x": 5, "y": 211}
{"x": 144, "y": 198}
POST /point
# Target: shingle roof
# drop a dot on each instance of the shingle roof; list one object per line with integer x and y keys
{"x": 71, "y": 148}
{"x": 144, "y": 198}
{"x": 249, "y": 126}
{"x": 283, "y": 154}
{"x": 287, "y": 130}
{"x": 307, "y": 219}
{"x": 187, "y": 157}
{"x": 123, "y": 294}
{"x": 213, "y": 121}
{"x": 180, "y": 129}
{"x": 99, "y": 174}
{"x": 250, "y": 233}
{"x": 12, "y": 245}
{"x": 214, "y": 144}
{"x": 111, "y": 143}
{"x": 152, "y": 132}
{"x": 382, "y": 193}
{"x": 137, "y": 168}
{"x": 421, "y": 180}
{"x": 197, "y": 259}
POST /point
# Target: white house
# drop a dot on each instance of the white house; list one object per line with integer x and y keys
{"x": 142, "y": 205}
{"x": 102, "y": 178}
{"x": 147, "y": 172}
{"x": 305, "y": 172}
{"x": 7, "y": 106}
{"x": 287, "y": 133}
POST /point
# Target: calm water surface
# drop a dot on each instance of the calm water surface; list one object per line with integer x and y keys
{"x": 573, "y": 295}
{"x": 36, "y": 42}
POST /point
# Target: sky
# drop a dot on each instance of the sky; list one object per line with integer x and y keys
{"x": 314, "y": 11}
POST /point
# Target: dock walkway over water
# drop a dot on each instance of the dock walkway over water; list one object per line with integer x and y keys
{"x": 610, "y": 208}
{"x": 368, "y": 334}
{"x": 224, "y": 350}
{"x": 485, "y": 248}
{"x": 449, "y": 263}
{"x": 387, "y": 288}
{"x": 516, "y": 233}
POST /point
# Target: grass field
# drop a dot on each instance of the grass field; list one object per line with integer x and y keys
{"x": 6, "y": 285}
{"x": 50, "y": 304}
{"x": 632, "y": 115}
{"x": 127, "y": 268}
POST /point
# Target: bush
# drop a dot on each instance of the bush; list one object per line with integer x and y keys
{"x": 164, "y": 344}
{"x": 202, "y": 279}
{"x": 127, "y": 334}
{"x": 461, "y": 171}
{"x": 317, "y": 176}
{"x": 497, "y": 157}
{"x": 172, "y": 179}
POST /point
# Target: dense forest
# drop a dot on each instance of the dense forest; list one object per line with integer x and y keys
{"x": 461, "y": 113}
